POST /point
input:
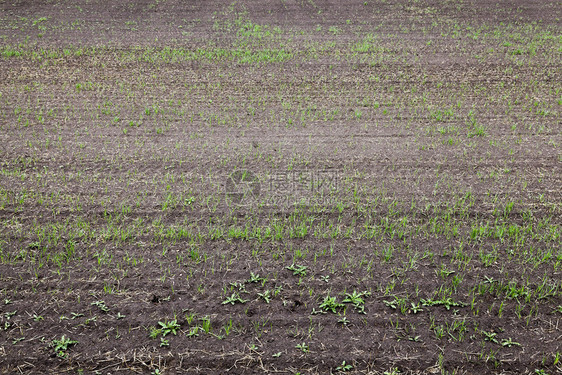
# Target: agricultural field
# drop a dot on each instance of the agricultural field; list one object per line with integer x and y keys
{"x": 280, "y": 187}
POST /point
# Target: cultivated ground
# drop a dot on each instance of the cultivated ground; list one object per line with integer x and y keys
{"x": 293, "y": 187}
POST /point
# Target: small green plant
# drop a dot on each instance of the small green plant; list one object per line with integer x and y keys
{"x": 416, "y": 308}
{"x": 392, "y": 371}
{"x": 344, "y": 367}
{"x": 205, "y": 324}
{"x": 255, "y": 278}
{"x": 154, "y": 332}
{"x": 233, "y": 299}
{"x": 101, "y": 305}
{"x": 228, "y": 327}
{"x": 447, "y": 302}
{"x": 330, "y": 304}
{"x": 509, "y": 343}
{"x": 61, "y": 346}
{"x": 193, "y": 332}
{"x": 398, "y": 303}
{"x": 303, "y": 347}
{"x": 316, "y": 312}
{"x": 266, "y": 296}
{"x": 15, "y": 341}
{"x": 344, "y": 321}
{"x": 490, "y": 336}
{"x": 355, "y": 298}
{"x": 190, "y": 317}
{"x": 169, "y": 327}
{"x": 298, "y": 270}
{"x": 37, "y": 317}
{"x": 334, "y": 30}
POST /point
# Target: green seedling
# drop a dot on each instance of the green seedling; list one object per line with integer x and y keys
{"x": 397, "y": 304}
{"x": 101, "y": 305}
{"x": 392, "y": 371}
{"x": 255, "y": 278}
{"x": 447, "y": 302}
{"x": 344, "y": 321}
{"x": 240, "y": 286}
{"x": 298, "y": 270}
{"x": 266, "y": 296}
{"x": 154, "y": 332}
{"x": 490, "y": 336}
{"x": 61, "y": 346}
{"x": 169, "y": 327}
{"x": 330, "y": 304}
{"x": 205, "y": 324}
{"x": 509, "y": 343}
{"x": 316, "y": 312}
{"x": 233, "y": 299}
{"x": 193, "y": 332}
{"x": 344, "y": 367}
{"x": 190, "y": 317}
{"x": 355, "y": 298}
{"x": 416, "y": 308}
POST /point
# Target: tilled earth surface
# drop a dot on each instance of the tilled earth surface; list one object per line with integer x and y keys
{"x": 298, "y": 187}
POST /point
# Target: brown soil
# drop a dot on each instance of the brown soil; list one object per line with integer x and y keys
{"x": 437, "y": 124}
